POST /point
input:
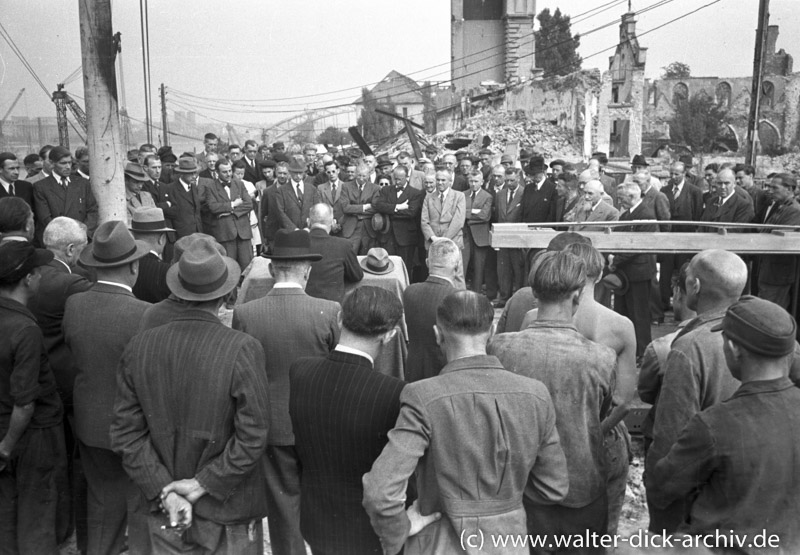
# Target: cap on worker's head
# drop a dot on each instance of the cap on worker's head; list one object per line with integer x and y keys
{"x": 563, "y": 240}
{"x": 759, "y": 326}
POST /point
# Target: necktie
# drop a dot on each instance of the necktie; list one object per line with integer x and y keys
{"x": 64, "y": 183}
{"x": 676, "y": 192}
{"x": 333, "y": 190}
{"x": 510, "y": 195}
{"x": 473, "y": 197}
{"x": 11, "y": 189}
{"x": 299, "y": 194}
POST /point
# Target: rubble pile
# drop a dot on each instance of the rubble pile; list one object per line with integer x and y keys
{"x": 789, "y": 162}
{"x": 505, "y": 128}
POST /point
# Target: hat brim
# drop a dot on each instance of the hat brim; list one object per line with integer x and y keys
{"x": 310, "y": 257}
{"x": 719, "y": 327}
{"x": 161, "y": 230}
{"x": 389, "y": 269}
{"x": 87, "y": 257}
{"x": 177, "y": 288}
{"x": 179, "y": 170}
{"x": 609, "y": 282}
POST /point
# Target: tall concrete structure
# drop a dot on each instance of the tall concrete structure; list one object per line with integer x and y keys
{"x": 491, "y": 40}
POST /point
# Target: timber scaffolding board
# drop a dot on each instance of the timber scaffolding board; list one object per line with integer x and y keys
{"x": 731, "y": 237}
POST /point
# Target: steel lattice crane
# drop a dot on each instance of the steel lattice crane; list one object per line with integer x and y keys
{"x": 63, "y": 100}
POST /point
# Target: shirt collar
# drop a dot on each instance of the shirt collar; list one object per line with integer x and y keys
{"x": 483, "y": 362}
{"x": 763, "y": 386}
{"x": 154, "y": 253}
{"x": 185, "y": 185}
{"x": 345, "y": 349}
{"x": 83, "y": 175}
{"x": 64, "y": 264}
{"x": 733, "y": 192}
{"x": 6, "y": 184}
{"x": 448, "y": 280}
{"x": 632, "y": 208}
{"x": 287, "y": 285}
{"x": 128, "y": 288}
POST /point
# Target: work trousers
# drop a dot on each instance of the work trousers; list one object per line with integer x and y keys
{"x": 510, "y": 271}
{"x": 282, "y": 471}
{"x": 560, "y": 520}
{"x": 29, "y": 493}
{"x": 490, "y": 274}
{"x": 241, "y": 250}
{"x": 635, "y": 305}
{"x": 617, "y": 443}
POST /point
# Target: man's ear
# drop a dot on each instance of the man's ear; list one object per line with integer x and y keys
{"x": 388, "y": 336}
{"x": 439, "y": 336}
{"x": 271, "y": 271}
{"x": 339, "y": 319}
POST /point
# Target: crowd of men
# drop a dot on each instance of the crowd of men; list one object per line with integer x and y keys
{"x": 131, "y": 416}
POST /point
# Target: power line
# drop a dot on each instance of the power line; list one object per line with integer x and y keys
{"x": 16, "y": 50}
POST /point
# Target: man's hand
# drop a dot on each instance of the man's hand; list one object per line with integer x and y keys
{"x": 236, "y": 203}
{"x": 418, "y": 522}
{"x": 190, "y": 489}
{"x": 179, "y": 511}
{"x": 367, "y": 208}
{"x": 399, "y": 207}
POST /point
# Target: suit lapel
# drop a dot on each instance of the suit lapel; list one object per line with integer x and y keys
{"x": 73, "y": 196}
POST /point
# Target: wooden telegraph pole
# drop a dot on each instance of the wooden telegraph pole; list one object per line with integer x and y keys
{"x": 98, "y": 50}
{"x": 164, "y": 121}
{"x": 758, "y": 77}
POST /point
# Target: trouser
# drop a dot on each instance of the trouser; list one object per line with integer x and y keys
{"x": 510, "y": 266}
{"x": 778, "y": 294}
{"x": 360, "y": 241}
{"x": 635, "y": 305}
{"x": 241, "y": 250}
{"x": 29, "y": 493}
{"x": 282, "y": 471}
{"x": 568, "y": 521}
{"x": 477, "y": 255}
{"x": 72, "y": 491}
{"x": 490, "y": 274}
{"x": 110, "y": 496}
{"x": 617, "y": 445}
{"x": 204, "y": 537}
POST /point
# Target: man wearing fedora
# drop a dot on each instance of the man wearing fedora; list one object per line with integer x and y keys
{"x": 98, "y": 324}
{"x": 295, "y": 199}
{"x": 148, "y": 225}
{"x": 539, "y": 198}
{"x": 185, "y": 199}
{"x": 290, "y": 324}
{"x": 356, "y": 202}
{"x": 229, "y": 206}
{"x": 191, "y": 418}
{"x": 135, "y": 195}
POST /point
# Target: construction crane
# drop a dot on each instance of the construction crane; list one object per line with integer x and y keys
{"x": 8, "y": 112}
{"x": 63, "y": 100}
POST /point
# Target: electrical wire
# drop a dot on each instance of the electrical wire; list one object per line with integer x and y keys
{"x": 16, "y": 50}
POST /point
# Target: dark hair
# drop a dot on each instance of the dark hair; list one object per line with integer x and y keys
{"x": 14, "y": 214}
{"x": 680, "y": 281}
{"x": 210, "y": 137}
{"x": 44, "y": 151}
{"x": 31, "y": 159}
{"x": 149, "y": 157}
{"x": 566, "y": 238}
{"x": 231, "y": 147}
{"x": 238, "y": 165}
{"x": 57, "y": 153}
{"x": 465, "y": 312}
{"x": 746, "y": 168}
{"x": 787, "y": 180}
{"x": 370, "y": 311}
{"x": 81, "y": 151}
{"x": 386, "y": 177}
{"x": 593, "y": 262}
{"x": 147, "y": 147}
{"x": 224, "y": 162}
{"x": 250, "y": 142}
{"x": 556, "y": 275}
{"x": 331, "y": 163}
{"x": 511, "y": 170}
{"x": 714, "y": 167}
{"x": 4, "y": 156}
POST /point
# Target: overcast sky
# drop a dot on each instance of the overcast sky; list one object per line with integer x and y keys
{"x": 269, "y": 49}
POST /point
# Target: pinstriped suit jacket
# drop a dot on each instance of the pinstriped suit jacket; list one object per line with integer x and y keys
{"x": 289, "y": 324}
{"x": 341, "y": 410}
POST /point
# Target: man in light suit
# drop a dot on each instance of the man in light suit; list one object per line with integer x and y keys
{"x": 98, "y": 324}
{"x": 477, "y": 239}
{"x": 63, "y": 195}
{"x": 415, "y": 177}
{"x": 330, "y": 192}
{"x": 327, "y": 395}
{"x": 339, "y": 264}
{"x": 510, "y": 262}
{"x": 462, "y": 457}
{"x": 289, "y": 324}
{"x": 594, "y": 209}
{"x": 357, "y": 210}
{"x": 444, "y": 212}
{"x": 295, "y": 198}
{"x": 402, "y": 204}
{"x": 229, "y": 205}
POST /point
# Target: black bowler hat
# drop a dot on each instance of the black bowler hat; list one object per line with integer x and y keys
{"x": 293, "y": 245}
{"x": 639, "y": 160}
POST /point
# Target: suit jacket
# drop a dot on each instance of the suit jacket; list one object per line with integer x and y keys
{"x": 477, "y": 224}
{"x": 417, "y": 179}
{"x": 760, "y": 202}
{"x": 660, "y": 204}
{"x": 341, "y": 411}
{"x": 352, "y": 202}
{"x": 151, "y": 283}
{"x": 332, "y": 200}
{"x": 22, "y": 189}
{"x": 737, "y": 209}
{"x": 57, "y": 284}
{"x": 474, "y": 420}
{"x": 289, "y": 324}
{"x": 603, "y": 212}
{"x": 269, "y": 217}
{"x": 776, "y": 269}
{"x": 609, "y": 185}
{"x": 539, "y": 205}
{"x": 294, "y": 214}
{"x": 638, "y": 267}
{"x": 444, "y": 219}
{"x": 460, "y": 183}
{"x": 157, "y": 191}
{"x": 405, "y": 223}
{"x": 185, "y": 213}
{"x": 98, "y": 324}
{"x": 509, "y": 213}
{"x": 339, "y": 264}
{"x": 192, "y": 402}
{"x": 689, "y": 205}
{"x": 253, "y": 175}
{"x": 134, "y": 203}
{"x": 229, "y": 224}
{"x": 420, "y": 301}
{"x": 77, "y": 202}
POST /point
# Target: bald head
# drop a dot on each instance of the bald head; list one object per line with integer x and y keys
{"x": 593, "y": 186}
{"x": 321, "y": 216}
{"x": 715, "y": 276}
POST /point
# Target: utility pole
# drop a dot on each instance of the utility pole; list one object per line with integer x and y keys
{"x": 164, "y": 123}
{"x": 758, "y": 76}
{"x": 98, "y": 50}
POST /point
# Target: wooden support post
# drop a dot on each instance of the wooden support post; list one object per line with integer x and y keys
{"x": 98, "y": 51}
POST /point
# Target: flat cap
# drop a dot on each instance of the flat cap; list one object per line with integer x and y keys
{"x": 762, "y": 327}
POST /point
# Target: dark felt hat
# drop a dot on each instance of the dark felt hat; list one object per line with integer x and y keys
{"x": 202, "y": 273}
{"x": 616, "y": 282}
{"x": 536, "y": 165}
{"x": 187, "y": 164}
{"x": 296, "y": 167}
{"x": 112, "y": 246}
{"x": 384, "y": 160}
{"x": 19, "y": 258}
{"x": 292, "y": 245}
{"x": 267, "y": 163}
{"x": 639, "y": 160}
{"x": 377, "y": 262}
{"x": 557, "y": 162}
{"x": 380, "y": 223}
{"x": 760, "y": 326}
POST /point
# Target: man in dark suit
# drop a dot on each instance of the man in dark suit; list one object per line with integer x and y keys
{"x": 252, "y": 173}
{"x": 184, "y": 199}
{"x": 148, "y": 226}
{"x": 295, "y": 199}
{"x": 729, "y": 206}
{"x": 269, "y": 218}
{"x": 229, "y": 205}
{"x": 639, "y": 269}
{"x": 62, "y": 195}
{"x": 10, "y": 183}
{"x": 540, "y": 197}
{"x": 357, "y": 211}
{"x": 98, "y": 324}
{"x": 342, "y": 410}
{"x": 289, "y": 324}
{"x": 402, "y": 204}
{"x": 425, "y": 358}
{"x": 510, "y": 262}
{"x": 338, "y": 265}
{"x": 205, "y": 383}
{"x": 477, "y": 239}
{"x": 744, "y": 180}
{"x": 211, "y": 166}
{"x": 777, "y": 273}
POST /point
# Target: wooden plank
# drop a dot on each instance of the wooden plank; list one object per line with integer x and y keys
{"x": 602, "y": 225}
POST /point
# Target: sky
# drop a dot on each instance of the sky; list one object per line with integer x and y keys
{"x": 276, "y": 51}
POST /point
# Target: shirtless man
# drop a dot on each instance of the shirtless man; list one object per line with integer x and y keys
{"x": 602, "y": 325}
